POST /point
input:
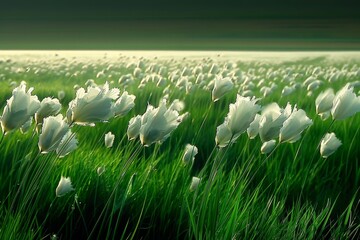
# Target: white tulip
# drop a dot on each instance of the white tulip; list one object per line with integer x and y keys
{"x": 253, "y": 129}
{"x": 48, "y": 107}
{"x": 271, "y": 121}
{"x": 24, "y": 128}
{"x": 294, "y": 126}
{"x": 223, "y": 135}
{"x": 268, "y": 146}
{"x": 157, "y": 124}
{"x": 266, "y": 91}
{"x": 287, "y": 91}
{"x": 189, "y": 154}
{"x": 124, "y": 104}
{"x": 67, "y": 144}
{"x": 109, "y": 139}
{"x": 177, "y": 105}
{"x": 324, "y": 102}
{"x": 92, "y": 106}
{"x": 221, "y": 87}
{"x": 64, "y": 187}
{"x": 134, "y": 127}
{"x": 329, "y": 144}
{"x": 345, "y": 103}
{"x": 100, "y": 170}
{"x": 19, "y": 108}
{"x": 241, "y": 114}
{"x": 53, "y": 131}
{"x": 183, "y": 117}
{"x": 61, "y": 95}
{"x": 314, "y": 85}
{"x": 195, "y": 181}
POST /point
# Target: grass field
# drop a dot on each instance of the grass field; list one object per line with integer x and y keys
{"x": 132, "y": 191}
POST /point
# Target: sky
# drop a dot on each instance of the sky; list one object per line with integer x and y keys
{"x": 153, "y": 9}
{"x": 227, "y": 24}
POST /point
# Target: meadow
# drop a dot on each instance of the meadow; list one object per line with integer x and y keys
{"x": 261, "y": 168}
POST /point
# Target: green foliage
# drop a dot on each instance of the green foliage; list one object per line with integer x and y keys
{"x": 144, "y": 192}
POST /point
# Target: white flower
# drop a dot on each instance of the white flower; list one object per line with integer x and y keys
{"x": 268, "y": 146}
{"x": 177, "y": 105}
{"x": 329, "y": 144}
{"x": 24, "y": 128}
{"x": 314, "y": 85}
{"x": 272, "y": 119}
{"x": 345, "y": 103}
{"x": 19, "y": 108}
{"x": 100, "y": 170}
{"x": 53, "y": 131}
{"x": 241, "y": 114}
{"x": 124, "y": 104}
{"x": 253, "y": 129}
{"x": 287, "y": 90}
{"x": 48, "y": 107}
{"x": 189, "y": 154}
{"x": 64, "y": 187}
{"x": 109, "y": 139}
{"x": 134, "y": 127}
{"x": 92, "y": 106}
{"x": 195, "y": 181}
{"x": 324, "y": 103}
{"x": 221, "y": 87}
{"x": 67, "y": 144}
{"x": 183, "y": 117}
{"x": 294, "y": 126}
{"x": 223, "y": 135}
{"x": 157, "y": 124}
{"x": 61, "y": 95}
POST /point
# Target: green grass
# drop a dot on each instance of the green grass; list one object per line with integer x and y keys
{"x": 144, "y": 192}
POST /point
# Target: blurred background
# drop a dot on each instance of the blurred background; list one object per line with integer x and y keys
{"x": 180, "y": 25}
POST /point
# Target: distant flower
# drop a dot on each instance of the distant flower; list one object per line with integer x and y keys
{"x": 95, "y": 105}
{"x": 324, "y": 103}
{"x": 64, "y": 187}
{"x": 294, "y": 126}
{"x": 287, "y": 91}
{"x": 133, "y": 130}
{"x": 195, "y": 181}
{"x": 268, "y": 146}
{"x": 157, "y": 124}
{"x": 314, "y": 85}
{"x": 100, "y": 170}
{"x": 189, "y": 154}
{"x": 109, "y": 139}
{"x": 221, "y": 87}
{"x": 345, "y": 103}
{"x": 329, "y": 144}
{"x": 61, "y": 95}
{"x": 48, "y": 107}
{"x": 124, "y": 104}
{"x": 19, "y": 108}
{"x": 177, "y": 105}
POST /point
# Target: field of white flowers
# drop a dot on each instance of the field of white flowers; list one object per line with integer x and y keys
{"x": 179, "y": 145}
